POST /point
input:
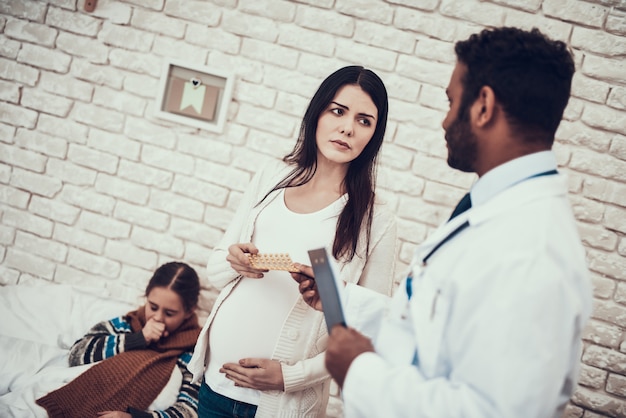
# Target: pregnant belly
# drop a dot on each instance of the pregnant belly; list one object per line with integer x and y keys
{"x": 249, "y": 321}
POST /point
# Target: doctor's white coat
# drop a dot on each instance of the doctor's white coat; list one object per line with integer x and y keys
{"x": 493, "y": 327}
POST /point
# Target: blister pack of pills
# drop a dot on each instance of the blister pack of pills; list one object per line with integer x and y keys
{"x": 275, "y": 261}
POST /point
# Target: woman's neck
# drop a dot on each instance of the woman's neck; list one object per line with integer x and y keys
{"x": 325, "y": 187}
{"x": 329, "y": 176}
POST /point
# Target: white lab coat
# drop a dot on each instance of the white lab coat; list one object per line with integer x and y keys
{"x": 493, "y": 327}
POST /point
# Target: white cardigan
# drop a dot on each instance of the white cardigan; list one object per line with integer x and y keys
{"x": 303, "y": 338}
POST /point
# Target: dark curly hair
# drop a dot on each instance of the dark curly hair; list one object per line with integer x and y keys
{"x": 530, "y": 75}
{"x": 180, "y": 278}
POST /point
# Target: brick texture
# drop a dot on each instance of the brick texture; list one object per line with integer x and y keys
{"x": 96, "y": 190}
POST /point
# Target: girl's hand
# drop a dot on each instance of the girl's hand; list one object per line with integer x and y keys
{"x": 239, "y": 261}
{"x": 255, "y": 373}
{"x": 114, "y": 414}
{"x": 153, "y": 331}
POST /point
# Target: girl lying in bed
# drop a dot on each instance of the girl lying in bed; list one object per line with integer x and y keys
{"x": 139, "y": 351}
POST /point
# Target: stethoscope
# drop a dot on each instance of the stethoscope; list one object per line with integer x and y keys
{"x": 455, "y": 232}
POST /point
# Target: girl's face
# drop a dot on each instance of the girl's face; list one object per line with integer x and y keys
{"x": 346, "y": 126}
{"x": 166, "y": 306}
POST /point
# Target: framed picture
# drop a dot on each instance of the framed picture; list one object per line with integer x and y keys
{"x": 194, "y": 95}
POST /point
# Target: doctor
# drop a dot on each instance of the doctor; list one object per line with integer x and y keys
{"x": 488, "y": 322}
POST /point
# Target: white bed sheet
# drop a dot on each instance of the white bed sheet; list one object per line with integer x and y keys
{"x": 38, "y": 325}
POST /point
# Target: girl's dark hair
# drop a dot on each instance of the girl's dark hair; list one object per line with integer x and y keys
{"x": 521, "y": 67}
{"x": 180, "y": 278}
{"x": 359, "y": 182}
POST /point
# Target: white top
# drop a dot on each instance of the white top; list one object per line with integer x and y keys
{"x": 250, "y": 320}
{"x": 493, "y": 327}
{"x": 300, "y": 347}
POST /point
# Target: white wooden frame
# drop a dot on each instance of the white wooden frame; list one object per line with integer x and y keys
{"x": 199, "y": 76}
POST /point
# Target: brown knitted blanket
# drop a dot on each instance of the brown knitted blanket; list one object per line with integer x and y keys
{"x": 133, "y": 378}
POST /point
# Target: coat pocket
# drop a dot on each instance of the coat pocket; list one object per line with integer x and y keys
{"x": 429, "y": 307}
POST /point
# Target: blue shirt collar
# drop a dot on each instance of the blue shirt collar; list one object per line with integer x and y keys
{"x": 505, "y": 175}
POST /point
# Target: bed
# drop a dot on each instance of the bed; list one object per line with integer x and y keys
{"x": 38, "y": 325}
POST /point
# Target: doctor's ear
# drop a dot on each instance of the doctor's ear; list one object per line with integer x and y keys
{"x": 484, "y": 105}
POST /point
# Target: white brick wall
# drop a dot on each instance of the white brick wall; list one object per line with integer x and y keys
{"x": 95, "y": 190}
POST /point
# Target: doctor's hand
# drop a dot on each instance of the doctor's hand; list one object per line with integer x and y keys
{"x": 306, "y": 284}
{"x": 344, "y": 345}
{"x": 255, "y": 373}
{"x": 239, "y": 261}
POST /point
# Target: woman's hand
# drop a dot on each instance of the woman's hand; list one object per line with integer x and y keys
{"x": 114, "y": 414}
{"x": 153, "y": 331}
{"x": 307, "y": 286}
{"x": 255, "y": 373}
{"x": 239, "y": 261}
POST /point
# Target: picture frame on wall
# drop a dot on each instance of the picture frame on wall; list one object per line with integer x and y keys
{"x": 194, "y": 95}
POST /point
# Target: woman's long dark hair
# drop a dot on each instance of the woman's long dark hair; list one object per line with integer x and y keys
{"x": 360, "y": 180}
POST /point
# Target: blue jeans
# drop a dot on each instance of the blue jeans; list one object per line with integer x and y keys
{"x": 214, "y": 405}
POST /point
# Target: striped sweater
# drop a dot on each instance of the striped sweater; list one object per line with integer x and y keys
{"x": 109, "y": 338}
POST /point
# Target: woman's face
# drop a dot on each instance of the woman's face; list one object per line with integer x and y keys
{"x": 166, "y": 306}
{"x": 346, "y": 126}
